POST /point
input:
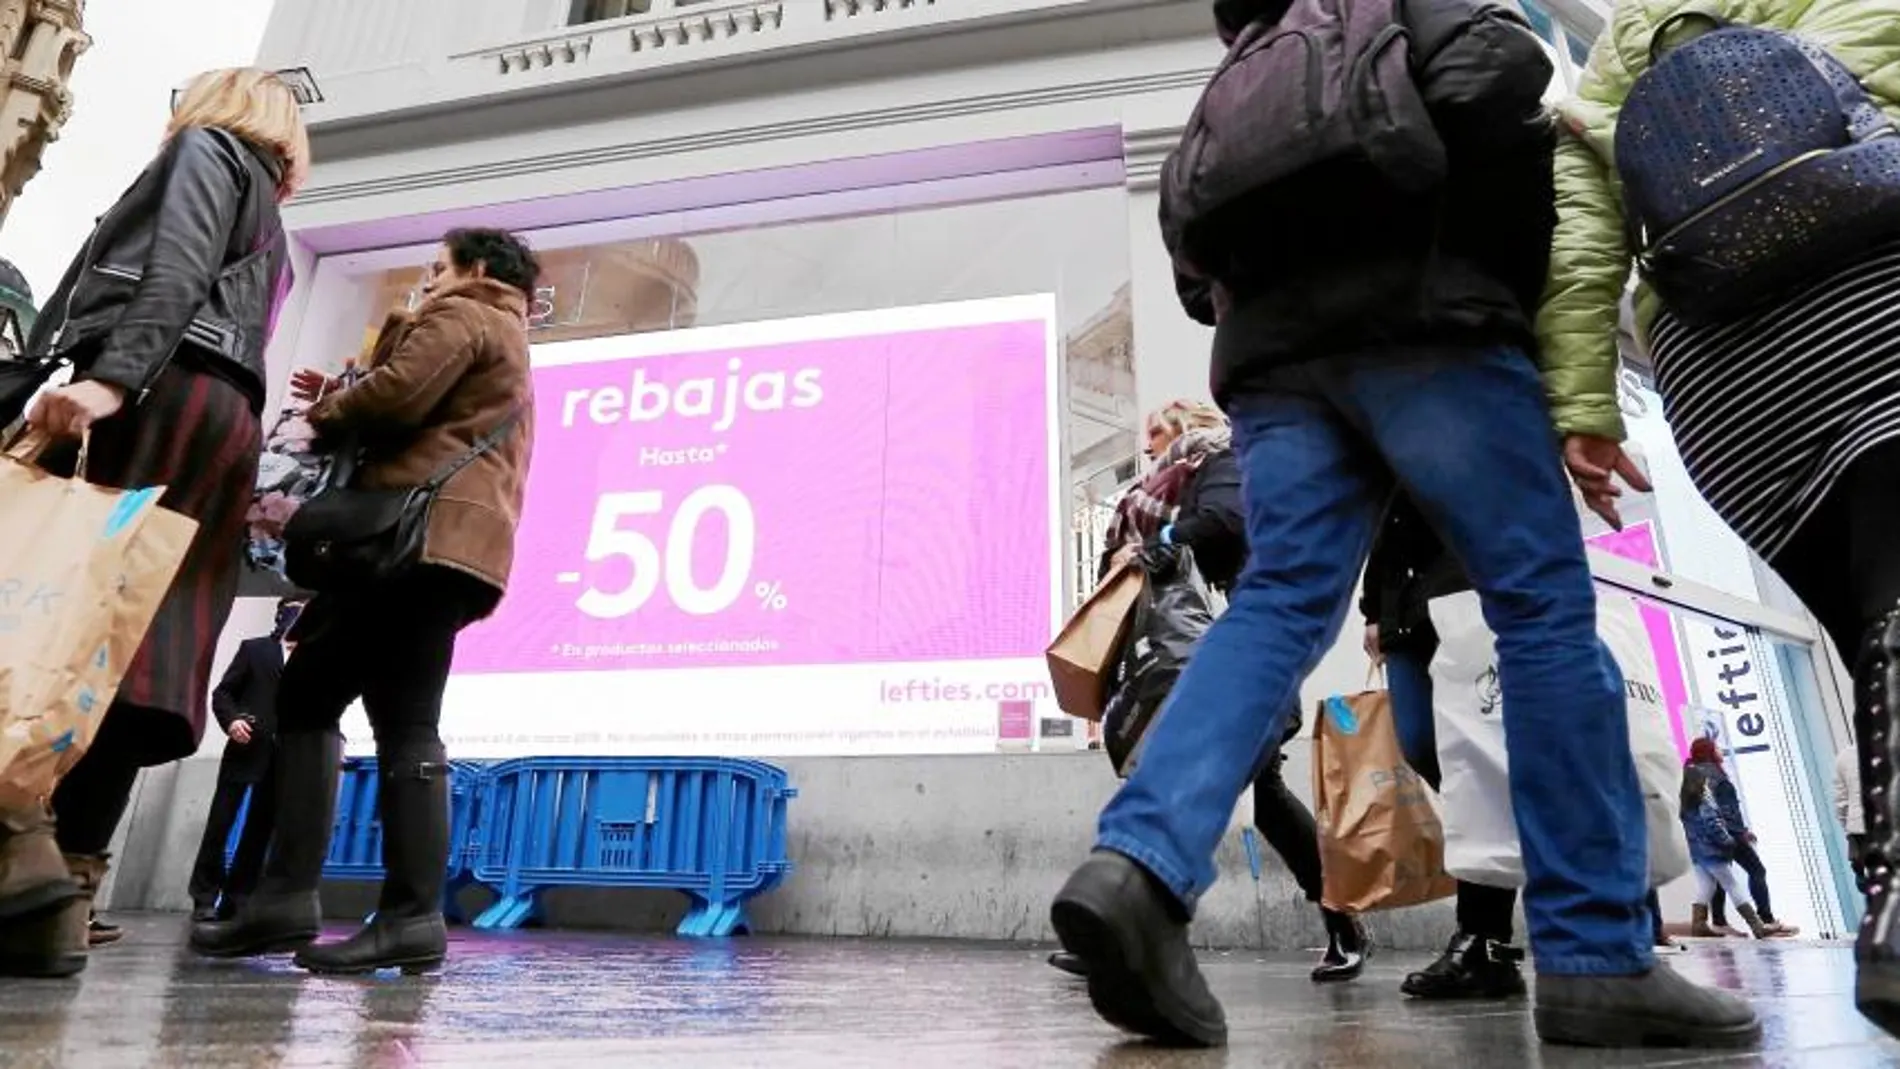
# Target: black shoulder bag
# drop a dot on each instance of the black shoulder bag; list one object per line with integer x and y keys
{"x": 345, "y": 538}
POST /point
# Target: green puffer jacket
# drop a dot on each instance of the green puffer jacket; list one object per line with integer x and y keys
{"x": 1591, "y": 258}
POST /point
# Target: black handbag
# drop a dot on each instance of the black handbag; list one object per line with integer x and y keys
{"x": 345, "y": 538}
{"x": 19, "y": 381}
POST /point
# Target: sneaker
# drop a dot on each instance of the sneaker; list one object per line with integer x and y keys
{"x": 1132, "y": 937}
{"x": 1471, "y": 968}
{"x": 1656, "y": 1009}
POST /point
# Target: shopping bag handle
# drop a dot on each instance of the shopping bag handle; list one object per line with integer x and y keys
{"x": 32, "y": 443}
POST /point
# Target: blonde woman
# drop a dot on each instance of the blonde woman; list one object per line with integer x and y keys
{"x": 164, "y": 317}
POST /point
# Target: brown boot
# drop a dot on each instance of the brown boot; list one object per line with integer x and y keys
{"x": 1760, "y": 929}
{"x": 1699, "y": 924}
{"x": 75, "y": 927}
{"x": 33, "y": 877}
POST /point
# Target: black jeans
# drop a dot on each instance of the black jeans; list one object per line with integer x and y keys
{"x": 1288, "y": 826}
{"x": 1751, "y": 863}
{"x": 209, "y": 879}
{"x": 390, "y": 646}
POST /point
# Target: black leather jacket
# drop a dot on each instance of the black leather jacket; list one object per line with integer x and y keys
{"x": 188, "y": 263}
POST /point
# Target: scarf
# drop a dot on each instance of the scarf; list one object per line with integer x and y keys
{"x": 1151, "y": 504}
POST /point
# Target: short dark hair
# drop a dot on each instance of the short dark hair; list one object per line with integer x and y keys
{"x": 504, "y": 257}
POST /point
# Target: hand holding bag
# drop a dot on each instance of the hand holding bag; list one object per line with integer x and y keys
{"x": 1084, "y": 654}
{"x": 83, "y": 570}
{"x": 345, "y": 538}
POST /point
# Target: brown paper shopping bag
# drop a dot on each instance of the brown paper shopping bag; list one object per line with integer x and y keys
{"x": 82, "y": 572}
{"x": 1380, "y": 840}
{"x": 1083, "y": 655}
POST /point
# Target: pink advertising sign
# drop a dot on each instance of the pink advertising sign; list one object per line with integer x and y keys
{"x": 857, "y": 489}
{"x": 1637, "y": 542}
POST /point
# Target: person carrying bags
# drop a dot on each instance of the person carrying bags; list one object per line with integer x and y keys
{"x": 163, "y": 319}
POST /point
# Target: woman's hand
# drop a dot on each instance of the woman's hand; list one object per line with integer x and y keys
{"x": 308, "y": 385}
{"x": 1124, "y": 555}
{"x": 71, "y": 410}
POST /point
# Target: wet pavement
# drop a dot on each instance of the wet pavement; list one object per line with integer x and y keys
{"x": 579, "y": 1000}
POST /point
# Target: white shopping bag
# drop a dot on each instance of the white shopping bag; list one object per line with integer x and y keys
{"x": 1480, "y": 826}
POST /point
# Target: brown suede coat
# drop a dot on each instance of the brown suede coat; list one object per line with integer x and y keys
{"x": 453, "y": 374}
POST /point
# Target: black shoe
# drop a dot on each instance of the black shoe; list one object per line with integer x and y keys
{"x": 205, "y": 914}
{"x": 1069, "y": 963}
{"x": 1656, "y": 1009}
{"x": 1133, "y": 939}
{"x": 408, "y": 931}
{"x": 1347, "y": 949}
{"x": 101, "y": 934}
{"x": 413, "y": 944}
{"x": 1470, "y": 968}
{"x": 268, "y": 924}
{"x": 1876, "y": 705}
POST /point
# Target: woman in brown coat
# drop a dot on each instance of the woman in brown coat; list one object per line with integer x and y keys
{"x": 457, "y": 375}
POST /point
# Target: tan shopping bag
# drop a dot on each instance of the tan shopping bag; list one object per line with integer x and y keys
{"x": 1083, "y": 656}
{"x": 1380, "y": 840}
{"x": 82, "y": 572}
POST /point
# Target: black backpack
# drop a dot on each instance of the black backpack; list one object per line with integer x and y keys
{"x": 1752, "y": 162}
{"x": 1328, "y": 83}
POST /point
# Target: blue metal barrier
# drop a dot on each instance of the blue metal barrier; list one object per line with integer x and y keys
{"x": 712, "y": 828}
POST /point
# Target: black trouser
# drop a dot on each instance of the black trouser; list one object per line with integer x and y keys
{"x": 390, "y": 646}
{"x": 1656, "y": 918}
{"x": 1844, "y": 562}
{"x": 1288, "y": 826}
{"x": 1856, "y": 856}
{"x": 1751, "y": 863}
{"x": 91, "y": 800}
{"x": 209, "y": 879}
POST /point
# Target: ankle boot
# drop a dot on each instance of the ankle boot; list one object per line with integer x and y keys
{"x": 1347, "y": 948}
{"x": 1757, "y": 927}
{"x": 284, "y": 913}
{"x": 33, "y": 876}
{"x": 1699, "y": 924}
{"x": 1876, "y": 706}
{"x": 408, "y": 931}
{"x": 1472, "y": 967}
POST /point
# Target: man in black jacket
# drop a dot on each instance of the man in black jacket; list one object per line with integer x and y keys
{"x": 1367, "y": 339}
{"x": 245, "y": 703}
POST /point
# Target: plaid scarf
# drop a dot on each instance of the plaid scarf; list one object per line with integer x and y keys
{"x": 1150, "y": 505}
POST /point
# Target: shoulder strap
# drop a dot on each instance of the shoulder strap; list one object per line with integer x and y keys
{"x": 482, "y": 445}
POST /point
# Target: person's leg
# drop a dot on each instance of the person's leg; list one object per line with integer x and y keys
{"x": 1751, "y": 863}
{"x": 207, "y": 874}
{"x": 1718, "y": 911}
{"x": 1313, "y": 492}
{"x": 402, "y": 695}
{"x": 260, "y": 822}
{"x": 1468, "y": 435}
{"x": 1408, "y": 679}
{"x": 1288, "y": 826}
{"x": 322, "y": 677}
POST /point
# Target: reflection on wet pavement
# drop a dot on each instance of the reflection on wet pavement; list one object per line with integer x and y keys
{"x": 569, "y": 999}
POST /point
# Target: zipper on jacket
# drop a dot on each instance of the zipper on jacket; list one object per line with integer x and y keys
{"x": 1724, "y": 201}
{"x": 66, "y": 316}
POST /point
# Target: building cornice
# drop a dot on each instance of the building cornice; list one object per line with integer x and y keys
{"x": 764, "y": 133}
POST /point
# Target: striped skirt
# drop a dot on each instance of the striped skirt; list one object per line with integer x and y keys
{"x": 196, "y": 435}
{"x": 1770, "y": 410}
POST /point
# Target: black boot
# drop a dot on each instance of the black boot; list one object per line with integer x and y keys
{"x": 284, "y": 913}
{"x": 1133, "y": 939}
{"x": 1471, "y": 968}
{"x": 408, "y": 931}
{"x": 1876, "y": 705}
{"x": 1347, "y": 948}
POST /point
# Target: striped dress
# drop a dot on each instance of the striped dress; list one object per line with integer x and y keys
{"x": 1770, "y": 410}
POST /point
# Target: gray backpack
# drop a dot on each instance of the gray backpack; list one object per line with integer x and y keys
{"x": 1328, "y": 85}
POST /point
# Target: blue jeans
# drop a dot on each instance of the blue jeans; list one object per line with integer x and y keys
{"x": 1408, "y": 679}
{"x": 1466, "y": 433}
